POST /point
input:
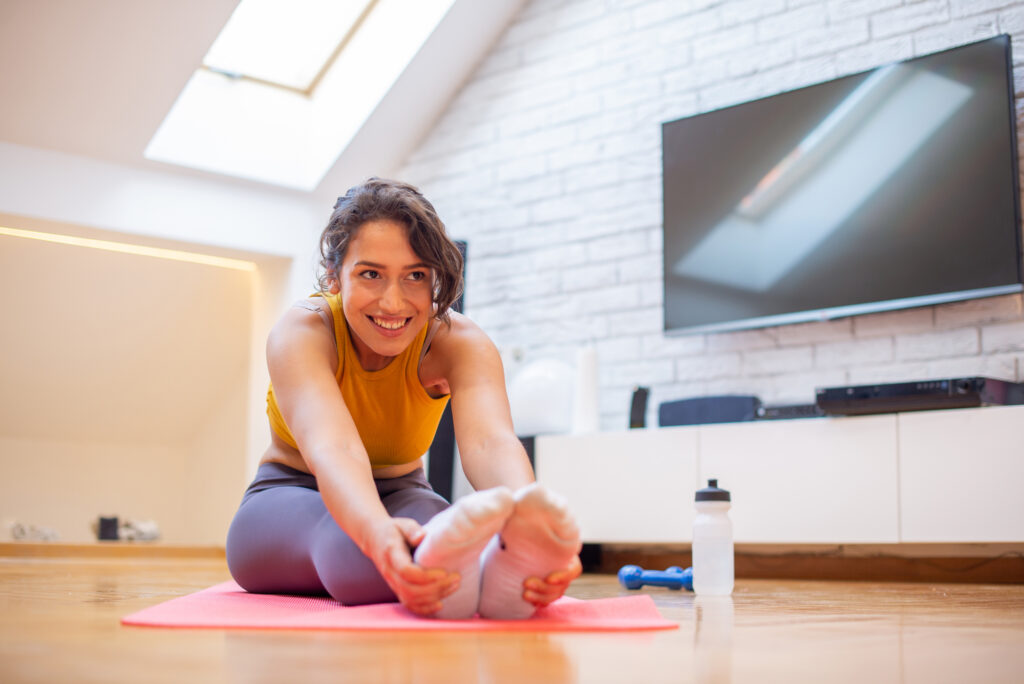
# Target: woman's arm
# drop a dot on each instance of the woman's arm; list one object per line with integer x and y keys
{"x": 490, "y": 452}
{"x": 300, "y": 355}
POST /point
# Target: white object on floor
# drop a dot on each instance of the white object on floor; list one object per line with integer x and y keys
{"x": 138, "y": 530}
{"x": 21, "y": 532}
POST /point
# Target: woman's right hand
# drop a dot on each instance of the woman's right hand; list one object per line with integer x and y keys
{"x": 417, "y": 588}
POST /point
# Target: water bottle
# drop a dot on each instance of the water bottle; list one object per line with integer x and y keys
{"x": 712, "y": 542}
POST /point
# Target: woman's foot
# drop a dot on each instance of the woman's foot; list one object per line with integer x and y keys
{"x": 539, "y": 538}
{"x": 454, "y": 539}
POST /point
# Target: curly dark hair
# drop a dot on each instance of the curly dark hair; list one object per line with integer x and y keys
{"x": 379, "y": 199}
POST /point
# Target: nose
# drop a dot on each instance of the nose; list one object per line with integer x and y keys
{"x": 392, "y": 299}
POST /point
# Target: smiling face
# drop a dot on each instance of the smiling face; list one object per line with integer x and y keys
{"x": 386, "y": 292}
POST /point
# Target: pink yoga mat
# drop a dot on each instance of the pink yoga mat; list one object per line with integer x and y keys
{"x": 227, "y": 605}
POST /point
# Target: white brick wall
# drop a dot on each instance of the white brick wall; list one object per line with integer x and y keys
{"x": 548, "y": 163}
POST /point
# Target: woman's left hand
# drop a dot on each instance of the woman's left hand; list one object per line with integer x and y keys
{"x": 542, "y": 591}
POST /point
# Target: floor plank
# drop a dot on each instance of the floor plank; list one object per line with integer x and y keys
{"x": 60, "y": 623}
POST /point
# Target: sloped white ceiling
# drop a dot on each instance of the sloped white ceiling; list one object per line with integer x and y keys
{"x": 96, "y": 78}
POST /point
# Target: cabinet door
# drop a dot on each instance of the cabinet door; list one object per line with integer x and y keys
{"x": 962, "y": 475}
{"x": 821, "y": 480}
{"x": 634, "y": 486}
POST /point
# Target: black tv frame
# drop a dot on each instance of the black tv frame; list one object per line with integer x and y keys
{"x": 836, "y": 312}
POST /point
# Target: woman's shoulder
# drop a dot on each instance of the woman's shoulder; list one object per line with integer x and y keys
{"x": 304, "y": 319}
{"x": 460, "y": 330}
{"x": 459, "y": 341}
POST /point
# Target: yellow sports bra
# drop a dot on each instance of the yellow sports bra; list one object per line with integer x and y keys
{"x": 395, "y": 416}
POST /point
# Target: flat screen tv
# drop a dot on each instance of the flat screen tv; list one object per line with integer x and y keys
{"x": 887, "y": 189}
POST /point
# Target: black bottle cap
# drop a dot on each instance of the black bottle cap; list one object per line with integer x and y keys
{"x": 712, "y": 493}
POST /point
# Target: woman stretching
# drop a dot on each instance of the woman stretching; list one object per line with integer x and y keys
{"x": 360, "y": 375}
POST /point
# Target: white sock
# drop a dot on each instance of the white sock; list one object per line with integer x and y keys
{"x": 455, "y": 537}
{"x": 539, "y": 538}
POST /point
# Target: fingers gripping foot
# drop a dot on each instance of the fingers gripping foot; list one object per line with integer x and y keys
{"x": 454, "y": 540}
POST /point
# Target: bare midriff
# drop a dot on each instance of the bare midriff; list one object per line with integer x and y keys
{"x": 280, "y": 451}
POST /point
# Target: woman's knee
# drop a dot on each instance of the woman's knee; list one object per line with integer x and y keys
{"x": 268, "y": 552}
{"x": 241, "y": 553}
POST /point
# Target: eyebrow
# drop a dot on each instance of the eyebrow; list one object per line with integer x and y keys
{"x": 371, "y": 264}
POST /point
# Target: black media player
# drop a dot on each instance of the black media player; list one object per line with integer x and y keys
{"x": 919, "y": 396}
{"x": 789, "y": 412}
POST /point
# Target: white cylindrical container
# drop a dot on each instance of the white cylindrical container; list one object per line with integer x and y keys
{"x": 586, "y": 413}
{"x": 713, "y": 572}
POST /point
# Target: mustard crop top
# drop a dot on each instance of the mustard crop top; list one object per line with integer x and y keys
{"x": 395, "y": 416}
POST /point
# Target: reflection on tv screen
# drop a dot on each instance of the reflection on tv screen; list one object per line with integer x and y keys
{"x": 894, "y": 187}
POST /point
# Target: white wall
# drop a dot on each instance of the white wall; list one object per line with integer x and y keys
{"x": 215, "y": 469}
{"x": 123, "y": 388}
{"x": 277, "y": 229}
{"x": 549, "y": 163}
{"x": 183, "y": 463}
{"x": 65, "y": 485}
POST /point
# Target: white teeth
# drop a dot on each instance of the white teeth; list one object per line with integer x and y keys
{"x": 389, "y": 325}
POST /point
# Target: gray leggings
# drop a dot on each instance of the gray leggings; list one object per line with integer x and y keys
{"x": 283, "y": 541}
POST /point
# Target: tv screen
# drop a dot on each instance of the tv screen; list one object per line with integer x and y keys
{"x": 887, "y": 189}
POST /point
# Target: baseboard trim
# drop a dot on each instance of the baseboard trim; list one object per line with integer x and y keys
{"x": 1004, "y": 566}
{"x": 112, "y": 549}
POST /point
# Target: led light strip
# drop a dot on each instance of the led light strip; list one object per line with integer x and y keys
{"x": 125, "y": 248}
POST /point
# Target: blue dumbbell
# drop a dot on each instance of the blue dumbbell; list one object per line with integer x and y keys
{"x": 634, "y": 577}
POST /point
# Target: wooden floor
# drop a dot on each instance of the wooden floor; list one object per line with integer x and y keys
{"x": 59, "y": 623}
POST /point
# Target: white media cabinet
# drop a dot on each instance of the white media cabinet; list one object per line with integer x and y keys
{"x": 949, "y": 476}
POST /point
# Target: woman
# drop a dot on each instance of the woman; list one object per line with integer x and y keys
{"x": 360, "y": 374}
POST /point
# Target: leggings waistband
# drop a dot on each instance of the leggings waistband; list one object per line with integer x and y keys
{"x": 270, "y": 475}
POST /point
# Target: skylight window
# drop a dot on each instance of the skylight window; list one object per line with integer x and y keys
{"x": 289, "y": 44}
{"x": 278, "y": 124}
